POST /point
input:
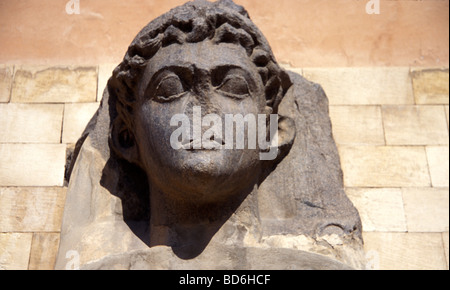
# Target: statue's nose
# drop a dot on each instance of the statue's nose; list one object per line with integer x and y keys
{"x": 201, "y": 79}
{"x": 199, "y": 106}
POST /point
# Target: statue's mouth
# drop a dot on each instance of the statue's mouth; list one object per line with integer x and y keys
{"x": 198, "y": 144}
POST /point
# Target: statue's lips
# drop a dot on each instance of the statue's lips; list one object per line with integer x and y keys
{"x": 197, "y": 144}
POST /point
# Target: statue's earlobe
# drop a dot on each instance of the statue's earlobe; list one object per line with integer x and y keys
{"x": 282, "y": 135}
{"x": 286, "y": 132}
{"x": 123, "y": 142}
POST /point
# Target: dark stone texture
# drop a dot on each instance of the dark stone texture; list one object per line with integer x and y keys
{"x": 133, "y": 199}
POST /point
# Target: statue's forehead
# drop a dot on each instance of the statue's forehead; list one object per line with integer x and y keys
{"x": 204, "y": 55}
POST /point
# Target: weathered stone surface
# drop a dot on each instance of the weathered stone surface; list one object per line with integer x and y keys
{"x": 415, "y": 125}
{"x": 31, "y": 209}
{"x": 431, "y": 86}
{"x": 406, "y": 251}
{"x": 39, "y": 84}
{"x": 224, "y": 258}
{"x": 271, "y": 206}
{"x": 438, "y": 162}
{"x": 357, "y": 125}
{"x": 76, "y": 117}
{"x": 369, "y": 166}
{"x": 6, "y": 77}
{"x": 32, "y": 164}
{"x": 364, "y": 86}
{"x": 15, "y": 250}
{"x": 446, "y": 246}
{"x": 30, "y": 123}
{"x": 44, "y": 249}
{"x": 381, "y": 209}
{"x": 104, "y": 73}
{"x": 131, "y": 191}
{"x": 426, "y": 209}
{"x": 446, "y": 114}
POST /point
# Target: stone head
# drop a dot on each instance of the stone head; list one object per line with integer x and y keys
{"x": 202, "y": 56}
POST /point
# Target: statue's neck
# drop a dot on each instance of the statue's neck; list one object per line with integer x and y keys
{"x": 189, "y": 227}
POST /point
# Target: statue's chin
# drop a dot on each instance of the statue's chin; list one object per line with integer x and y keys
{"x": 206, "y": 181}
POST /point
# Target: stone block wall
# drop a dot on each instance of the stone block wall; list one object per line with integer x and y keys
{"x": 43, "y": 111}
{"x": 392, "y": 136}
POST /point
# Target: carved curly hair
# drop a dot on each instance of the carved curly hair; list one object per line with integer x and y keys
{"x": 221, "y": 22}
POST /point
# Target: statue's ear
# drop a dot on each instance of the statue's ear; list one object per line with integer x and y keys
{"x": 284, "y": 138}
{"x": 123, "y": 142}
{"x": 286, "y": 132}
{"x": 286, "y": 125}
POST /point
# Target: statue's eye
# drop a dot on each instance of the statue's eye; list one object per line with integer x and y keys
{"x": 169, "y": 88}
{"x": 234, "y": 86}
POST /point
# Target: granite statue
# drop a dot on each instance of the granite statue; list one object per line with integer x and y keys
{"x": 158, "y": 180}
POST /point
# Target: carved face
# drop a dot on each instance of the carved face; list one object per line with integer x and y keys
{"x": 219, "y": 79}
